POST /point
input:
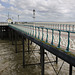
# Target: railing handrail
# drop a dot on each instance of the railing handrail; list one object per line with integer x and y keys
{"x": 47, "y": 28}
{"x": 52, "y": 42}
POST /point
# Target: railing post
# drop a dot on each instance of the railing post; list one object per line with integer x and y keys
{"x": 47, "y": 36}
{"x": 73, "y": 28}
{"x": 53, "y": 26}
{"x": 63, "y": 26}
{"x": 60, "y": 26}
{"x": 42, "y": 34}
{"x": 52, "y": 36}
{"x": 26, "y": 30}
{"x": 28, "y": 33}
{"x": 30, "y": 30}
{"x": 67, "y": 50}
{"x": 66, "y": 27}
{"x": 69, "y": 27}
{"x": 50, "y": 25}
{"x": 59, "y": 38}
{"x": 38, "y": 32}
{"x": 35, "y": 31}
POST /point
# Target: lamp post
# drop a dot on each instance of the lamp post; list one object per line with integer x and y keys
{"x": 33, "y": 15}
{"x": 18, "y": 18}
{"x": 34, "y": 21}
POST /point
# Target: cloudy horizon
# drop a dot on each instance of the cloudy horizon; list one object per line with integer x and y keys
{"x": 45, "y": 10}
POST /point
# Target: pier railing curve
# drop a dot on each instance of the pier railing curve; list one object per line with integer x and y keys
{"x": 42, "y": 32}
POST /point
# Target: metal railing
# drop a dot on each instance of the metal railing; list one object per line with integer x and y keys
{"x": 42, "y": 32}
{"x": 66, "y": 27}
{"x": 3, "y": 23}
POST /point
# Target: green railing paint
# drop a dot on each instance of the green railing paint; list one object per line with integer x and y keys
{"x": 73, "y": 28}
{"x": 69, "y": 27}
{"x": 63, "y": 26}
{"x": 52, "y": 36}
{"x": 66, "y": 27}
{"x": 30, "y": 29}
{"x": 67, "y": 50}
{"x": 47, "y": 35}
{"x": 38, "y": 32}
{"x": 42, "y": 34}
{"x": 35, "y": 32}
{"x": 59, "y": 38}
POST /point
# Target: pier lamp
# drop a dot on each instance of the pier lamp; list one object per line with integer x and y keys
{"x": 18, "y": 18}
{"x": 33, "y": 14}
{"x": 34, "y": 20}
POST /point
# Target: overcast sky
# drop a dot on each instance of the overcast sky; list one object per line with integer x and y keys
{"x": 45, "y": 10}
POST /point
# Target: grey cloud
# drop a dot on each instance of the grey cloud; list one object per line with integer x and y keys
{"x": 45, "y": 9}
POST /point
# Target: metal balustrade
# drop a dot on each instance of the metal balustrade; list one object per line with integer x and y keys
{"x": 66, "y": 27}
{"x": 39, "y": 32}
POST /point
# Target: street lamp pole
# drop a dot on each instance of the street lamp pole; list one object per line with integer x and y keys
{"x": 34, "y": 20}
{"x": 34, "y": 15}
{"x": 18, "y": 18}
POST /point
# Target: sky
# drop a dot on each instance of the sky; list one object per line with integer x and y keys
{"x": 45, "y": 10}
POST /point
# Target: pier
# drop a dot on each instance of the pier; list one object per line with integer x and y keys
{"x": 39, "y": 34}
